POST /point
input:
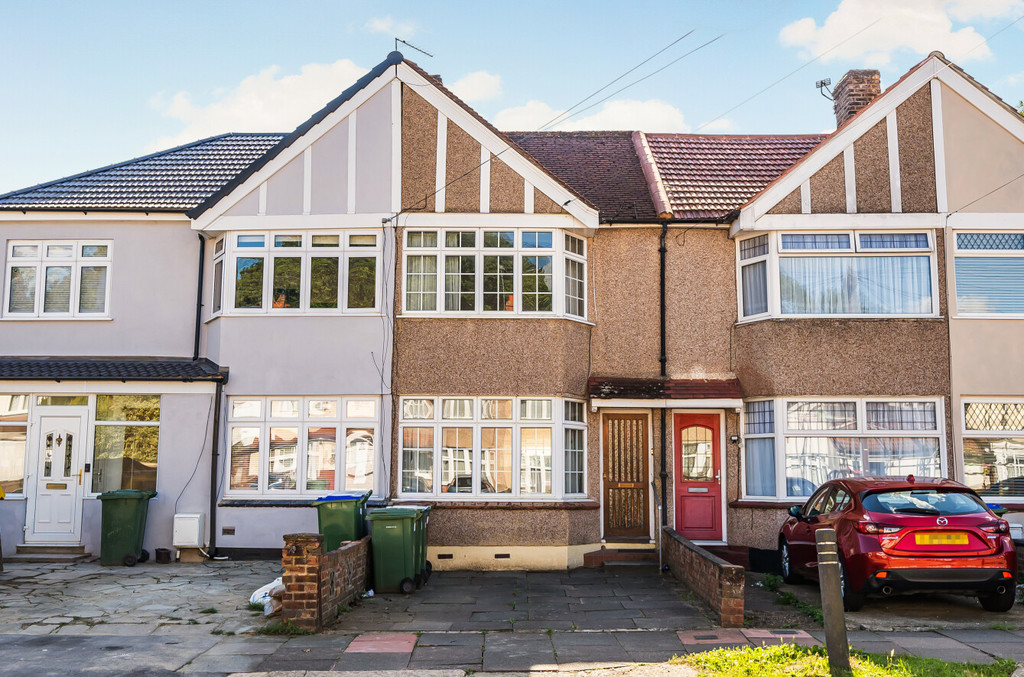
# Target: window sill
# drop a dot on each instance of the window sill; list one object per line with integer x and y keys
{"x": 491, "y": 316}
{"x": 989, "y": 316}
{"x": 476, "y": 504}
{"x": 14, "y": 318}
{"x": 786, "y": 318}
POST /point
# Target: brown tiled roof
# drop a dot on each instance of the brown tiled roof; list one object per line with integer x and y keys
{"x": 658, "y": 389}
{"x": 708, "y": 176}
{"x": 601, "y": 166}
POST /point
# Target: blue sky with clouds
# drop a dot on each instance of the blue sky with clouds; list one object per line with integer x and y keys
{"x": 88, "y": 84}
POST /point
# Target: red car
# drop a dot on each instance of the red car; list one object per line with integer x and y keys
{"x": 900, "y": 535}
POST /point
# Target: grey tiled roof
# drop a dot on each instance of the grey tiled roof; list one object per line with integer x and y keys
{"x": 173, "y": 180}
{"x": 93, "y": 369}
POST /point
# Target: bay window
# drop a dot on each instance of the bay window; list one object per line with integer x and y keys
{"x": 793, "y": 446}
{"x": 57, "y": 279}
{"x": 289, "y": 446}
{"x": 494, "y": 272}
{"x": 303, "y": 272}
{"x": 989, "y": 269}
{"x": 994, "y": 447}
{"x": 859, "y": 274}
{"x": 492, "y": 447}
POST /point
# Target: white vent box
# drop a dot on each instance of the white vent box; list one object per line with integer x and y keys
{"x": 188, "y": 530}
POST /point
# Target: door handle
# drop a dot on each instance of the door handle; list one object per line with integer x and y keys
{"x": 79, "y": 477}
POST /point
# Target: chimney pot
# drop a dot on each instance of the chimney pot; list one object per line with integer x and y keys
{"x": 855, "y": 91}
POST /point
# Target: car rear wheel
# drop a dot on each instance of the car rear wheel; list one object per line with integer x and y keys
{"x": 786, "y": 563}
{"x": 853, "y": 600}
{"x": 999, "y": 602}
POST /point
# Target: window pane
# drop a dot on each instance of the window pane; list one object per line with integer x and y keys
{"x": 856, "y": 285}
{"x": 989, "y": 285}
{"x": 418, "y": 409}
{"x": 573, "y": 411}
{"x": 760, "y": 465}
{"x": 418, "y": 460}
{"x": 574, "y": 245}
{"x": 62, "y": 400}
{"x": 323, "y": 282}
{"x": 12, "y": 457}
{"x": 245, "y": 458}
{"x": 57, "y": 297}
{"x": 14, "y": 408}
{"x": 125, "y": 457}
{"x": 760, "y": 417}
{"x": 755, "y": 288}
{"x": 574, "y": 277}
{"x": 903, "y": 456}
{"x": 537, "y": 283}
{"x": 456, "y": 409}
{"x": 499, "y": 282}
{"x": 816, "y": 241}
{"x": 994, "y": 416}
{"x": 321, "y": 449}
{"x": 536, "y": 410}
{"x": 537, "y": 239}
{"x": 92, "y": 293}
{"x": 287, "y": 240}
{"x": 496, "y": 460}
{"x": 218, "y": 286}
{"x": 421, "y": 238}
{"x": 453, "y": 238}
{"x": 496, "y": 409}
{"x": 283, "y": 460}
{"x": 325, "y": 240}
{"x": 460, "y": 282}
{"x": 696, "y": 449}
{"x": 127, "y": 407}
{"x": 574, "y": 461}
{"x": 250, "y": 241}
{"x": 23, "y": 290}
{"x": 753, "y": 247}
{"x": 457, "y": 460}
{"x": 894, "y": 241}
{"x": 246, "y": 408}
{"x": 535, "y": 460}
{"x": 810, "y": 461}
{"x": 25, "y": 251}
{"x": 249, "y": 282}
{"x": 505, "y": 240}
{"x": 362, "y": 282}
{"x": 990, "y": 241}
{"x": 421, "y": 283}
{"x": 218, "y": 247}
{"x": 284, "y": 408}
{"x": 821, "y": 415}
{"x": 358, "y": 459}
{"x": 95, "y": 250}
{"x": 287, "y": 280}
{"x": 61, "y": 251}
{"x": 994, "y": 467}
{"x": 362, "y": 240}
{"x": 360, "y": 409}
{"x": 322, "y": 409}
{"x": 901, "y": 416}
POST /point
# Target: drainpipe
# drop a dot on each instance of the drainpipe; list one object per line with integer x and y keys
{"x": 213, "y": 468}
{"x": 199, "y": 296}
{"x": 663, "y": 359}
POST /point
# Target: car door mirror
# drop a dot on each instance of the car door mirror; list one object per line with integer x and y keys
{"x": 794, "y": 510}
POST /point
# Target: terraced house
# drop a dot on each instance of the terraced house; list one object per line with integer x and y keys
{"x": 560, "y": 340}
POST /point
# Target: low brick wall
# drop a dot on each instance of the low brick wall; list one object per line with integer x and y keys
{"x": 317, "y": 582}
{"x": 717, "y": 582}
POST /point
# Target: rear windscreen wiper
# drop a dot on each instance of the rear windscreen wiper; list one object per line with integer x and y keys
{"x": 918, "y": 511}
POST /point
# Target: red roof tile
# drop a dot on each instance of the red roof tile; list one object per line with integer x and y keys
{"x": 657, "y": 388}
{"x": 708, "y": 176}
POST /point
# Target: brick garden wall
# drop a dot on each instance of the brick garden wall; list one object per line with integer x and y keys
{"x": 717, "y": 582}
{"x": 316, "y": 583}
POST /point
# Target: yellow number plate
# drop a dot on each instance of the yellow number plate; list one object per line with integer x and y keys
{"x": 941, "y": 539}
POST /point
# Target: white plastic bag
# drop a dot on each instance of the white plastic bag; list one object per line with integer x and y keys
{"x": 264, "y": 593}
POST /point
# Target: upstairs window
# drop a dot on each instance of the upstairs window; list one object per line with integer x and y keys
{"x": 492, "y": 272}
{"x": 858, "y": 274}
{"x": 989, "y": 273}
{"x": 57, "y": 279}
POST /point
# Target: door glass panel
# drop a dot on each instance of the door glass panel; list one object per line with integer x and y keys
{"x": 48, "y": 456}
{"x": 697, "y": 450}
{"x": 67, "y": 455}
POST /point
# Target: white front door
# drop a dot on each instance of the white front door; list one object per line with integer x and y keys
{"x": 55, "y": 510}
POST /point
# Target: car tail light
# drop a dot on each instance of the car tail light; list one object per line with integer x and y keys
{"x": 875, "y": 529}
{"x": 1007, "y": 574}
{"x": 997, "y": 527}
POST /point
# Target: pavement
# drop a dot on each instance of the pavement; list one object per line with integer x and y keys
{"x": 193, "y": 619}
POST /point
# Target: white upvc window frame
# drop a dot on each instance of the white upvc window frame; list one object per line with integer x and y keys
{"x": 41, "y": 261}
{"x": 518, "y": 422}
{"x": 344, "y": 252}
{"x": 959, "y": 253}
{"x": 782, "y": 431}
{"x": 987, "y": 434}
{"x": 303, "y": 421}
{"x": 557, "y": 251}
{"x": 856, "y": 249}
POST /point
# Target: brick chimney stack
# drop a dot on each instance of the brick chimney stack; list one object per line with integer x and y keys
{"x": 855, "y": 90}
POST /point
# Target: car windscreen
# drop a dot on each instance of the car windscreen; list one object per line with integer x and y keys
{"x": 923, "y": 502}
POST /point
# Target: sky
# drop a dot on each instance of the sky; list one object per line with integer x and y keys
{"x": 87, "y": 84}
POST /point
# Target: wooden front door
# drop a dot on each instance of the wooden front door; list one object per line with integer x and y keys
{"x": 626, "y": 497}
{"x": 698, "y": 476}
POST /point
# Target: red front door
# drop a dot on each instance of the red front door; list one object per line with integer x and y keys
{"x": 698, "y": 473}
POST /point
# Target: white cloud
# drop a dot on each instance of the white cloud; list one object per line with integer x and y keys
{"x": 266, "y": 102}
{"x": 651, "y": 115}
{"x": 914, "y": 26}
{"x": 385, "y": 24}
{"x": 477, "y": 86}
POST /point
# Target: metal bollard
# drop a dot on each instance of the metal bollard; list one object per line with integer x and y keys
{"x": 832, "y": 603}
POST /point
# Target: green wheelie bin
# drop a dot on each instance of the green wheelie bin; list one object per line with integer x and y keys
{"x": 123, "y": 526}
{"x": 341, "y": 517}
{"x": 393, "y": 539}
{"x": 422, "y": 566}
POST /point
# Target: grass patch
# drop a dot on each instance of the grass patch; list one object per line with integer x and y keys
{"x": 208, "y": 610}
{"x": 771, "y": 582}
{"x": 282, "y": 628}
{"x": 806, "y": 608}
{"x": 255, "y": 606}
{"x": 1003, "y": 626}
{"x": 789, "y": 660}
